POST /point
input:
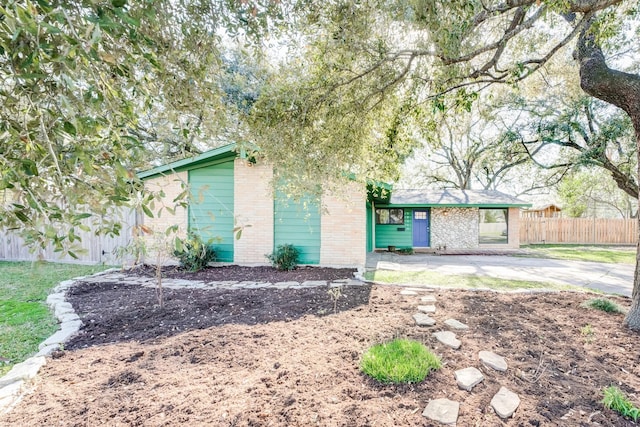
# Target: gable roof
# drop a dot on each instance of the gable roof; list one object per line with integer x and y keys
{"x": 454, "y": 198}
{"x": 211, "y": 156}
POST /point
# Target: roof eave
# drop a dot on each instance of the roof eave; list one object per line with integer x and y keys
{"x": 179, "y": 165}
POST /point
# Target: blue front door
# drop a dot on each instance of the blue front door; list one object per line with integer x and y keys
{"x": 420, "y": 228}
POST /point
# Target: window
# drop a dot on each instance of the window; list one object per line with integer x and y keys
{"x": 390, "y": 216}
{"x": 419, "y": 215}
{"x": 494, "y": 226}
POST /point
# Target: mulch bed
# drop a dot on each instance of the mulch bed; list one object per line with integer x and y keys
{"x": 289, "y": 357}
{"x": 253, "y": 274}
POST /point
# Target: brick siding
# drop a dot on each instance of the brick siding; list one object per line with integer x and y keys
{"x": 514, "y": 228}
{"x": 344, "y": 227}
{"x": 253, "y": 208}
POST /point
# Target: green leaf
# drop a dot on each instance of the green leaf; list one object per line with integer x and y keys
{"x": 21, "y": 216}
{"x": 69, "y": 128}
{"x": 147, "y": 211}
{"x": 29, "y": 167}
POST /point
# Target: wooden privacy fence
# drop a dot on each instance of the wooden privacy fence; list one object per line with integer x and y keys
{"x": 579, "y": 230}
{"x": 97, "y": 249}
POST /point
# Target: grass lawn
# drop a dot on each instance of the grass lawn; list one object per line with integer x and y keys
{"x": 462, "y": 281}
{"x": 612, "y": 254}
{"x": 25, "y": 319}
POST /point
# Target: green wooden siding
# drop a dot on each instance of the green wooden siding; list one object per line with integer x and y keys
{"x": 293, "y": 224}
{"x": 211, "y": 207}
{"x": 392, "y": 235}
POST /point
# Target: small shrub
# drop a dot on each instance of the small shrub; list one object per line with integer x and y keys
{"x": 616, "y": 400}
{"x": 192, "y": 253}
{"x": 588, "y": 333}
{"x": 399, "y": 361}
{"x": 285, "y": 257}
{"x": 405, "y": 251}
{"x": 605, "y": 305}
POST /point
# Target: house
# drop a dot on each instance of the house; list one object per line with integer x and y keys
{"x": 546, "y": 211}
{"x": 443, "y": 219}
{"x": 231, "y": 191}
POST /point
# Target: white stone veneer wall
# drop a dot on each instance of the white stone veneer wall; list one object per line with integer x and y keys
{"x": 455, "y": 228}
{"x": 253, "y": 208}
{"x": 344, "y": 227}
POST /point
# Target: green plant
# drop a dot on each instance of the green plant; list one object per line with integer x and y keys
{"x": 405, "y": 251}
{"x": 616, "y": 400}
{"x": 603, "y": 304}
{"x": 285, "y": 257}
{"x": 399, "y": 361}
{"x": 193, "y": 253}
{"x": 587, "y": 332}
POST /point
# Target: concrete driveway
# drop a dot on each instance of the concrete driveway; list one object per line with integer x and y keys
{"x": 610, "y": 278}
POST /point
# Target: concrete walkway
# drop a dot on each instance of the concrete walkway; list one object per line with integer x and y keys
{"x": 609, "y": 278}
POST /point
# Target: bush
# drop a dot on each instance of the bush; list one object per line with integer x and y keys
{"x": 192, "y": 253}
{"x": 405, "y": 251}
{"x": 285, "y": 257}
{"x": 604, "y": 305}
{"x": 399, "y": 361}
{"x": 616, "y": 400}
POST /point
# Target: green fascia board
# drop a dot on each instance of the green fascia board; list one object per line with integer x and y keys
{"x": 453, "y": 205}
{"x": 229, "y": 150}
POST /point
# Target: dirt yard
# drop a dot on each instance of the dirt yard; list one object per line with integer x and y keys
{"x": 269, "y": 357}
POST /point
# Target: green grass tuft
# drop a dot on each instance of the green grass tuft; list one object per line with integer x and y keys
{"x": 616, "y": 400}
{"x": 399, "y": 361}
{"x": 605, "y": 305}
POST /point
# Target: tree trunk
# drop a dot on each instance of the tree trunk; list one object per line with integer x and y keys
{"x": 622, "y": 90}
{"x": 632, "y": 319}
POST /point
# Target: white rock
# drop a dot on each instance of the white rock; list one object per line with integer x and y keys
{"x": 453, "y": 323}
{"x": 314, "y": 283}
{"x": 408, "y": 293}
{"x": 505, "y": 402}
{"x": 444, "y": 411}
{"x": 284, "y": 285}
{"x": 493, "y": 360}
{"x": 427, "y": 308}
{"x": 69, "y": 317}
{"x": 71, "y": 325}
{"x": 428, "y": 298}
{"x": 63, "y": 308}
{"x": 423, "y": 319}
{"x": 56, "y": 298}
{"x": 59, "y": 337}
{"x": 23, "y": 371}
{"x": 448, "y": 338}
{"x": 468, "y": 378}
{"x": 11, "y": 390}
